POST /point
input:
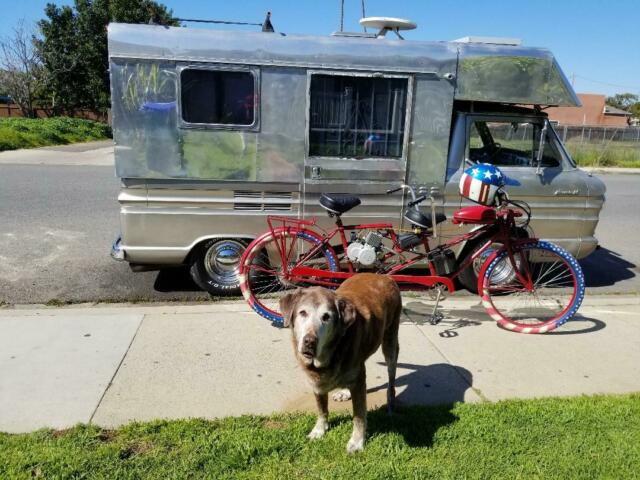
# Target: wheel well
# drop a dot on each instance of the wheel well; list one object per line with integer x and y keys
{"x": 482, "y": 238}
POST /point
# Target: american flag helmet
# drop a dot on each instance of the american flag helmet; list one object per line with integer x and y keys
{"x": 481, "y": 182}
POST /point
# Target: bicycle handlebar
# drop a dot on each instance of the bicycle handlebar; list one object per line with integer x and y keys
{"x": 393, "y": 190}
{"x": 418, "y": 200}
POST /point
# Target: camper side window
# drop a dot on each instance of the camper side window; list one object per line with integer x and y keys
{"x": 217, "y": 97}
{"x": 354, "y": 116}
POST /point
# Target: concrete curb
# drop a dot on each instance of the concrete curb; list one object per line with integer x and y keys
{"x": 611, "y": 170}
{"x": 240, "y": 306}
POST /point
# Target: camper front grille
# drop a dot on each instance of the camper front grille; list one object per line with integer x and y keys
{"x": 262, "y": 201}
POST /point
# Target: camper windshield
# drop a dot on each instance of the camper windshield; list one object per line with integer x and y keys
{"x": 509, "y": 143}
{"x": 354, "y": 116}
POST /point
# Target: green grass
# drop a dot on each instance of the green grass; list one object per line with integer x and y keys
{"x": 581, "y": 437}
{"x": 39, "y": 132}
{"x": 614, "y": 154}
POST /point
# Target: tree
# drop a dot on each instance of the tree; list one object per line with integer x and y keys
{"x": 21, "y": 74}
{"x": 626, "y": 101}
{"x": 73, "y": 47}
{"x": 623, "y": 101}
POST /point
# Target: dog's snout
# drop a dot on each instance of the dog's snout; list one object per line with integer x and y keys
{"x": 309, "y": 341}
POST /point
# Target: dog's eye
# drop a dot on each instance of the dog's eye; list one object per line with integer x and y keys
{"x": 302, "y": 313}
{"x": 326, "y": 317}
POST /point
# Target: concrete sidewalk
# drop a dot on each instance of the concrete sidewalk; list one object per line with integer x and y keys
{"x": 89, "y": 153}
{"x": 112, "y": 364}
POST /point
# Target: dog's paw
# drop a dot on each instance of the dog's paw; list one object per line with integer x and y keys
{"x": 341, "y": 395}
{"x": 318, "y": 431}
{"x": 355, "y": 445}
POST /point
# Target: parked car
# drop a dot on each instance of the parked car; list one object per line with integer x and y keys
{"x": 215, "y": 130}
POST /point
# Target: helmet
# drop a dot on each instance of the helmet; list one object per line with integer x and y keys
{"x": 481, "y": 182}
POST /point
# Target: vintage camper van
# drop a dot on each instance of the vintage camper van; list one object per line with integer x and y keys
{"x": 215, "y": 130}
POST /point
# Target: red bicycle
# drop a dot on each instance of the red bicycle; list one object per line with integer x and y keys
{"x": 526, "y": 284}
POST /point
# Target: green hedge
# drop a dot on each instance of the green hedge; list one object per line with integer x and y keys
{"x": 39, "y": 132}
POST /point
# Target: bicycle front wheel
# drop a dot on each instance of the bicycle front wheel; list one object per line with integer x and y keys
{"x": 536, "y": 292}
{"x": 267, "y": 262}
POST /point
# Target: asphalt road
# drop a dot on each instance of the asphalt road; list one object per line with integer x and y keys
{"x": 57, "y": 224}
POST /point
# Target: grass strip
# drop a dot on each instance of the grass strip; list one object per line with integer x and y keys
{"x": 578, "y": 437}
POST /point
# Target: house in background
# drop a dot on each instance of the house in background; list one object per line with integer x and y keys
{"x": 594, "y": 111}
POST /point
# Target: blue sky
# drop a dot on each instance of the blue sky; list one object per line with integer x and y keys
{"x": 597, "y": 41}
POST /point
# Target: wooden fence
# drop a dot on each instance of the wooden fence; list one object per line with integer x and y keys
{"x": 13, "y": 110}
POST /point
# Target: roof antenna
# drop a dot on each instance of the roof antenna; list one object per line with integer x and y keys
{"x": 267, "y": 26}
{"x": 363, "y": 16}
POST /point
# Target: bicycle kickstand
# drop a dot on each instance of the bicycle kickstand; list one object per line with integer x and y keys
{"x": 436, "y": 316}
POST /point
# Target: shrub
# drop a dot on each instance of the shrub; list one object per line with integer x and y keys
{"x": 39, "y": 132}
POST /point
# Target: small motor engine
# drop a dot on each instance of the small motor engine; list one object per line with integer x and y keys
{"x": 365, "y": 251}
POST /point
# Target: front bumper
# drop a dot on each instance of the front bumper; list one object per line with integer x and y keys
{"x": 117, "y": 252}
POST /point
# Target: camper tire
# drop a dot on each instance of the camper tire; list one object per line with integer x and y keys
{"x": 213, "y": 266}
{"x": 469, "y": 276}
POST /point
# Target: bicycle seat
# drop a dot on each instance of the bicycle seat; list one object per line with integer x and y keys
{"x": 338, "y": 203}
{"x": 423, "y": 220}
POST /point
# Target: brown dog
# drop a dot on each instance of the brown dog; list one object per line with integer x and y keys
{"x": 335, "y": 332}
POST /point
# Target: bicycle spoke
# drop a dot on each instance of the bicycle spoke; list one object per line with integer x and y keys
{"x": 549, "y": 292}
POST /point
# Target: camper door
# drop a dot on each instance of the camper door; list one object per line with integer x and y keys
{"x": 357, "y": 127}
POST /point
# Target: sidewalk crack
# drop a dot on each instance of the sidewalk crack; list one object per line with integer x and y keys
{"x": 135, "y": 334}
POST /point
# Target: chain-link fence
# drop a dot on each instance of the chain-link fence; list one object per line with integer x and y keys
{"x": 582, "y": 134}
{"x": 608, "y": 146}
{"x": 602, "y": 146}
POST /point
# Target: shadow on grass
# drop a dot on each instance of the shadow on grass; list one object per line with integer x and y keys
{"x": 438, "y": 386}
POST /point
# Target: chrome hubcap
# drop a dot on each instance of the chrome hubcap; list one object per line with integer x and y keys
{"x": 222, "y": 261}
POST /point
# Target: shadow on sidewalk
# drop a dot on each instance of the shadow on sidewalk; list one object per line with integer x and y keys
{"x": 605, "y": 267}
{"x": 456, "y": 320}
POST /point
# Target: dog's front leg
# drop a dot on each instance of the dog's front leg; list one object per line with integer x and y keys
{"x": 322, "y": 424}
{"x": 359, "y": 400}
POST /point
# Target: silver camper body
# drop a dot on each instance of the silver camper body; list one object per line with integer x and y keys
{"x": 195, "y": 187}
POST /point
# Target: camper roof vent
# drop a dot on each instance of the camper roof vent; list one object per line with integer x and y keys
{"x": 388, "y": 24}
{"x": 516, "y": 42}
{"x": 354, "y": 34}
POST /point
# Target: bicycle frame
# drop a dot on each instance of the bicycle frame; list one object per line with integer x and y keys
{"x": 502, "y": 234}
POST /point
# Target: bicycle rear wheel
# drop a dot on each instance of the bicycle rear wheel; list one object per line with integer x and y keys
{"x": 267, "y": 261}
{"x": 543, "y": 291}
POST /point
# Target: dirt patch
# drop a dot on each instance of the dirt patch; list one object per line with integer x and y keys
{"x": 135, "y": 449}
{"x": 107, "y": 435}
{"x": 274, "y": 425}
{"x": 307, "y": 403}
{"x": 60, "y": 433}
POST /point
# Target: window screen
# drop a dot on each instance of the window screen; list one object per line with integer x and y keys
{"x": 357, "y": 116}
{"x": 217, "y": 97}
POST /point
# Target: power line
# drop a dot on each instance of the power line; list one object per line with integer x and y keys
{"x": 636, "y": 88}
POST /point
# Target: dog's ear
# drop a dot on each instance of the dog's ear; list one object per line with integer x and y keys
{"x": 287, "y": 306}
{"x": 347, "y": 311}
